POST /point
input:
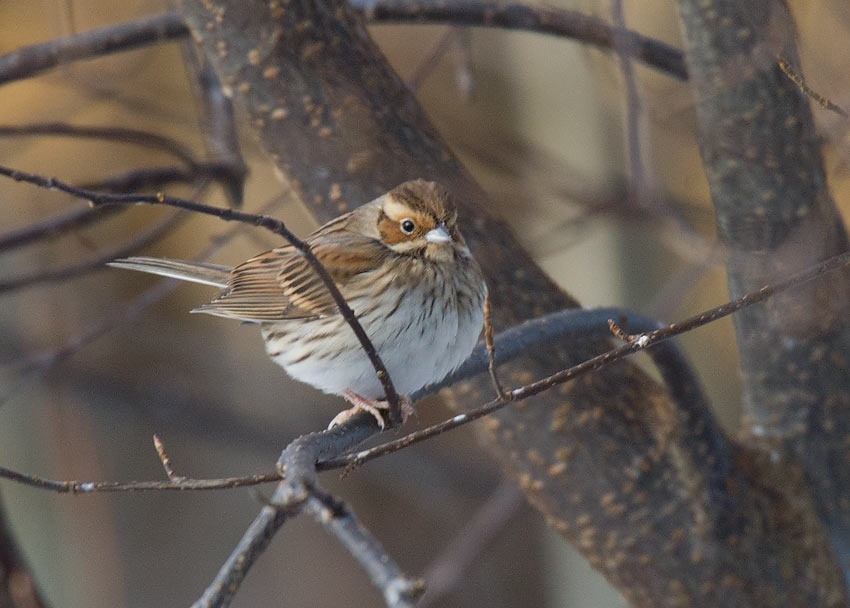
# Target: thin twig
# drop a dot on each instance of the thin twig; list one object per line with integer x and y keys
{"x": 633, "y": 105}
{"x": 491, "y": 349}
{"x": 29, "y": 61}
{"x": 811, "y": 93}
{"x": 131, "y": 181}
{"x": 166, "y": 461}
{"x": 151, "y": 235}
{"x": 263, "y": 221}
{"x": 558, "y": 22}
{"x": 448, "y": 570}
{"x": 619, "y": 332}
{"x": 136, "y": 137}
{"x": 179, "y": 483}
{"x": 432, "y": 59}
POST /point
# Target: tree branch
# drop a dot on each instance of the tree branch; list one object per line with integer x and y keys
{"x": 150, "y": 235}
{"x": 29, "y": 61}
{"x": 775, "y": 214}
{"x": 338, "y": 519}
{"x": 32, "y": 60}
{"x": 557, "y": 22}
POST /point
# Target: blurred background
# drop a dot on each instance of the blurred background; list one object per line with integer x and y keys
{"x": 91, "y": 367}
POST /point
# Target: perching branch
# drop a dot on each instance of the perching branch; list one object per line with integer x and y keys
{"x": 309, "y": 453}
{"x": 304, "y": 454}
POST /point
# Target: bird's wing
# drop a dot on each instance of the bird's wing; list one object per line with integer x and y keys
{"x": 280, "y": 284}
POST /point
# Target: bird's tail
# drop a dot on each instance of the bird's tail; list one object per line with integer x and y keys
{"x": 196, "y": 272}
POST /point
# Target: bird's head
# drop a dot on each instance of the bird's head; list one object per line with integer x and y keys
{"x": 420, "y": 218}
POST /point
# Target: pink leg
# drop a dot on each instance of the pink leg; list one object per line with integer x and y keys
{"x": 373, "y": 406}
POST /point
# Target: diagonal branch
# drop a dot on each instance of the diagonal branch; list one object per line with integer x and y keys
{"x": 29, "y": 61}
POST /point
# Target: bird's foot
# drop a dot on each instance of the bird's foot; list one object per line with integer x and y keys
{"x": 376, "y": 407}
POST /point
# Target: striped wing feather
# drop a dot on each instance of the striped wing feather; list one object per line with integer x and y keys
{"x": 280, "y": 284}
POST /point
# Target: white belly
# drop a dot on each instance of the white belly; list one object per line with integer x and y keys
{"x": 419, "y": 345}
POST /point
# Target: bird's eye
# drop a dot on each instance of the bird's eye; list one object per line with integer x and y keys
{"x": 407, "y": 226}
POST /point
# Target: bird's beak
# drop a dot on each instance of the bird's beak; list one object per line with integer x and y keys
{"x": 438, "y": 235}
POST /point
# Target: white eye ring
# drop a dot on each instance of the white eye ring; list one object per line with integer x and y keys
{"x": 407, "y": 226}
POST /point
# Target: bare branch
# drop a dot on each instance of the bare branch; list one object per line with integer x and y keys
{"x": 491, "y": 350}
{"x": 797, "y": 79}
{"x": 301, "y": 457}
{"x": 135, "y": 137}
{"x": 165, "y": 460}
{"x": 558, "y": 22}
{"x": 297, "y": 463}
{"x": 338, "y": 519}
{"x": 54, "y": 226}
{"x": 178, "y": 483}
{"x": 29, "y": 61}
{"x": 218, "y": 124}
{"x": 449, "y": 569}
{"x": 151, "y": 235}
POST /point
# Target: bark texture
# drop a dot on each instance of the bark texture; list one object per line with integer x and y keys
{"x": 651, "y": 492}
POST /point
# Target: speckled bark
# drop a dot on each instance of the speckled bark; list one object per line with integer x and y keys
{"x": 774, "y": 211}
{"x": 652, "y": 494}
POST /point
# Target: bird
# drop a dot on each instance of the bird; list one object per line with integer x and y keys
{"x": 402, "y": 266}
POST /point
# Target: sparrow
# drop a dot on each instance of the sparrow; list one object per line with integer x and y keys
{"x": 402, "y": 266}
